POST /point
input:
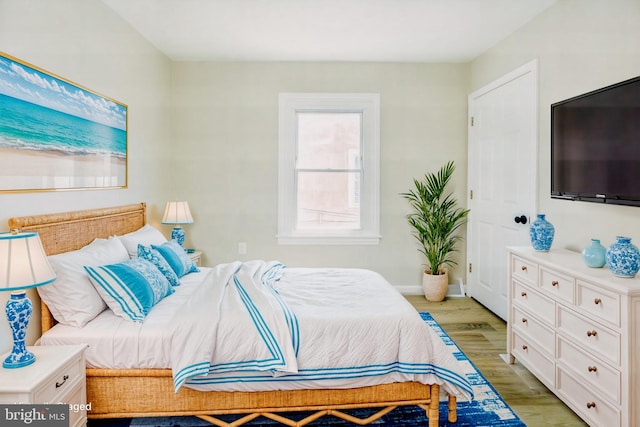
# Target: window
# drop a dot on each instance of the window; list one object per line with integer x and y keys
{"x": 328, "y": 168}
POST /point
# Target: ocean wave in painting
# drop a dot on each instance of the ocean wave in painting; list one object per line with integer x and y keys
{"x": 28, "y": 126}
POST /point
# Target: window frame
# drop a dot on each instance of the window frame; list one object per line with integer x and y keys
{"x": 289, "y": 105}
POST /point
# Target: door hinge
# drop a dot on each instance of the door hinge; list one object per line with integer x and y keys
{"x": 470, "y": 268}
{"x": 472, "y": 121}
{"x": 471, "y": 194}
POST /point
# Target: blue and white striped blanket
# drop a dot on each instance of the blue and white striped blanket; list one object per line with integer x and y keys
{"x": 234, "y": 322}
{"x": 260, "y": 326}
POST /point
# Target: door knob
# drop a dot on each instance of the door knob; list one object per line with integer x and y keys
{"x": 522, "y": 219}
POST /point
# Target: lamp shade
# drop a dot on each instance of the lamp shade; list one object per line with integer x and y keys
{"x": 177, "y": 213}
{"x": 23, "y": 263}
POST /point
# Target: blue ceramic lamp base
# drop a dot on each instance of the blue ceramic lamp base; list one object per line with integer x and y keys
{"x": 19, "y": 309}
{"x": 178, "y": 235}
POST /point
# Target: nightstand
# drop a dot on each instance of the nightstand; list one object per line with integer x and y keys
{"x": 57, "y": 376}
{"x": 196, "y": 257}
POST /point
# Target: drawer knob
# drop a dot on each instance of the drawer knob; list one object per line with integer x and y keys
{"x": 597, "y": 301}
{"x": 524, "y": 320}
{"x": 64, "y": 380}
{"x": 523, "y": 268}
{"x": 524, "y": 294}
{"x": 592, "y": 333}
{"x": 524, "y": 347}
{"x": 554, "y": 283}
{"x": 593, "y": 369}
{"x": 591, "y": 405}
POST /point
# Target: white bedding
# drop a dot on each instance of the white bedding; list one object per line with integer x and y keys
{"x": 355, "y": 330}
{"x": 122, "y": 344}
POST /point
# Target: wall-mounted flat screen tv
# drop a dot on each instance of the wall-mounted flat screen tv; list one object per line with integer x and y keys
{"x": 595, "y": 145}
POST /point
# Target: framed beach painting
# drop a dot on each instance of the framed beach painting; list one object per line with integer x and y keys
{"x": 57, "y": 135}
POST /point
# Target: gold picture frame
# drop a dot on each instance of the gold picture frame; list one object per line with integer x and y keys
{"x": 56, "y": 134}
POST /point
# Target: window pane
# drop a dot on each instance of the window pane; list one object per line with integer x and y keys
{"x": 326, "y": 143}
{"x": 328, "y": 200}
{"x": 328, "y": 140}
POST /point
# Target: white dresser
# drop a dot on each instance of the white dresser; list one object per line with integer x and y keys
{"x": 578, "y": 330}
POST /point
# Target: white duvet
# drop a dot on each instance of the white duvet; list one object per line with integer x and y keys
{"x": 234, "y": 322}
{"x": 292, "y": 328}
{"x": 261, "y": 324}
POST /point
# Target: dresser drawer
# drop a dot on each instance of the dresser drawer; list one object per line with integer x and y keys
{"x": 596, "y": 327}
{"x": 534, "y": 302}
{"x": 586, "y": 401}
{"x": 590, "y": 335}
{"x": 529, "y": 327}
{"x": 60, "y": 384}
{"x": 557, "y": 285}
{"x": 590, "y": 369}
{"x": 77, "y": 401}
{"x": 531, "y": 356}
{"x": 524, "y": 270}
{"x": 598, "y": 302}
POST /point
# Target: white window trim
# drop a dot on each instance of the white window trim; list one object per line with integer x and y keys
{"x": 289, "y": 105}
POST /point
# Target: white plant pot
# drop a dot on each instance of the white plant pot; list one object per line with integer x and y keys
{"x": 435, "y": 287}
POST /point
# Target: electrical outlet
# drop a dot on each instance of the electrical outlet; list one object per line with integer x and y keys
{"x": 242, "y": 248}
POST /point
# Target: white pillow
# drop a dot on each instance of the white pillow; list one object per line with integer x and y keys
{"x": 146, "y": 236}
{"x": 71, "y": 298}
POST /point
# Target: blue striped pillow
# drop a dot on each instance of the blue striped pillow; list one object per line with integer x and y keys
{"x": 130, "y": 288}
{"x": 177, "y": 258}
{"x": 153, "y": 256}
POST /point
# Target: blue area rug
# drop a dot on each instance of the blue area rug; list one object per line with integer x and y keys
{"x": 487, "y": 409}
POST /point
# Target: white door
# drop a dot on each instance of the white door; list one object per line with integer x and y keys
{"x": 502, "y": 180}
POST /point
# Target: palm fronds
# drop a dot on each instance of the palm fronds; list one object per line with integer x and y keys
{"x": 435, "y": 217}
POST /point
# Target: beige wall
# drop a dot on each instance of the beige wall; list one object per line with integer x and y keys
{"x": 581, "y": 45}
{"x": 207, "y": 132}
{"x": 85, "y": 42}
{"x": 226, "y": 122}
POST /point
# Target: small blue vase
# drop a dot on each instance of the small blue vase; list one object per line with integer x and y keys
{"x": 541, "y": 232}
{"x": 595, "y": 255}
{"x": 623, "y": 257}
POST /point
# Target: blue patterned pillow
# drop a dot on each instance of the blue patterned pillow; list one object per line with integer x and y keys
{"x": 177, "y": 258}
{"x": 153, "y": 256}
{"x": 130, "y": 288}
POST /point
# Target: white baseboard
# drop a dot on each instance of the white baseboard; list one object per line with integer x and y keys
{"x": 455, "y": 290}
{"x": 410, "y": 290}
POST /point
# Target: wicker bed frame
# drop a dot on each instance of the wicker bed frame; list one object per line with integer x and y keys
{"x": 120, "y": 393}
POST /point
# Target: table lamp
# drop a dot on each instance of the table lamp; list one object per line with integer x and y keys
{"x": 23, "y": 265}
{"x": 177, "y": 213}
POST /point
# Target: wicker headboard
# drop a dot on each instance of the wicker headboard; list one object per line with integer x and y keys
{"x": 69, "y": 231}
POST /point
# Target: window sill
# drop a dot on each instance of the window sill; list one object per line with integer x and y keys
{"x": 328, "y": 240}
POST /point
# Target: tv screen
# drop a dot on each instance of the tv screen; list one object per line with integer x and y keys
{"x": 595, "y": 145}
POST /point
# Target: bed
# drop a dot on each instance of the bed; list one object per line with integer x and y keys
{"x": 149, "y": 392}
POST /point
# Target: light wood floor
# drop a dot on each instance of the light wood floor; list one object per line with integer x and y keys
{"x": 482, "y": 337}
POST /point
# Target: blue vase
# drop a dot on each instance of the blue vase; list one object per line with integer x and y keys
{"x": 595, "y": 255}
{"x": 541, "y": 232}
{"x": 623, "y": 257}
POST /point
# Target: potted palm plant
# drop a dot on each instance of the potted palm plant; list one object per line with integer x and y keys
{"x": 435, "y": 220}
